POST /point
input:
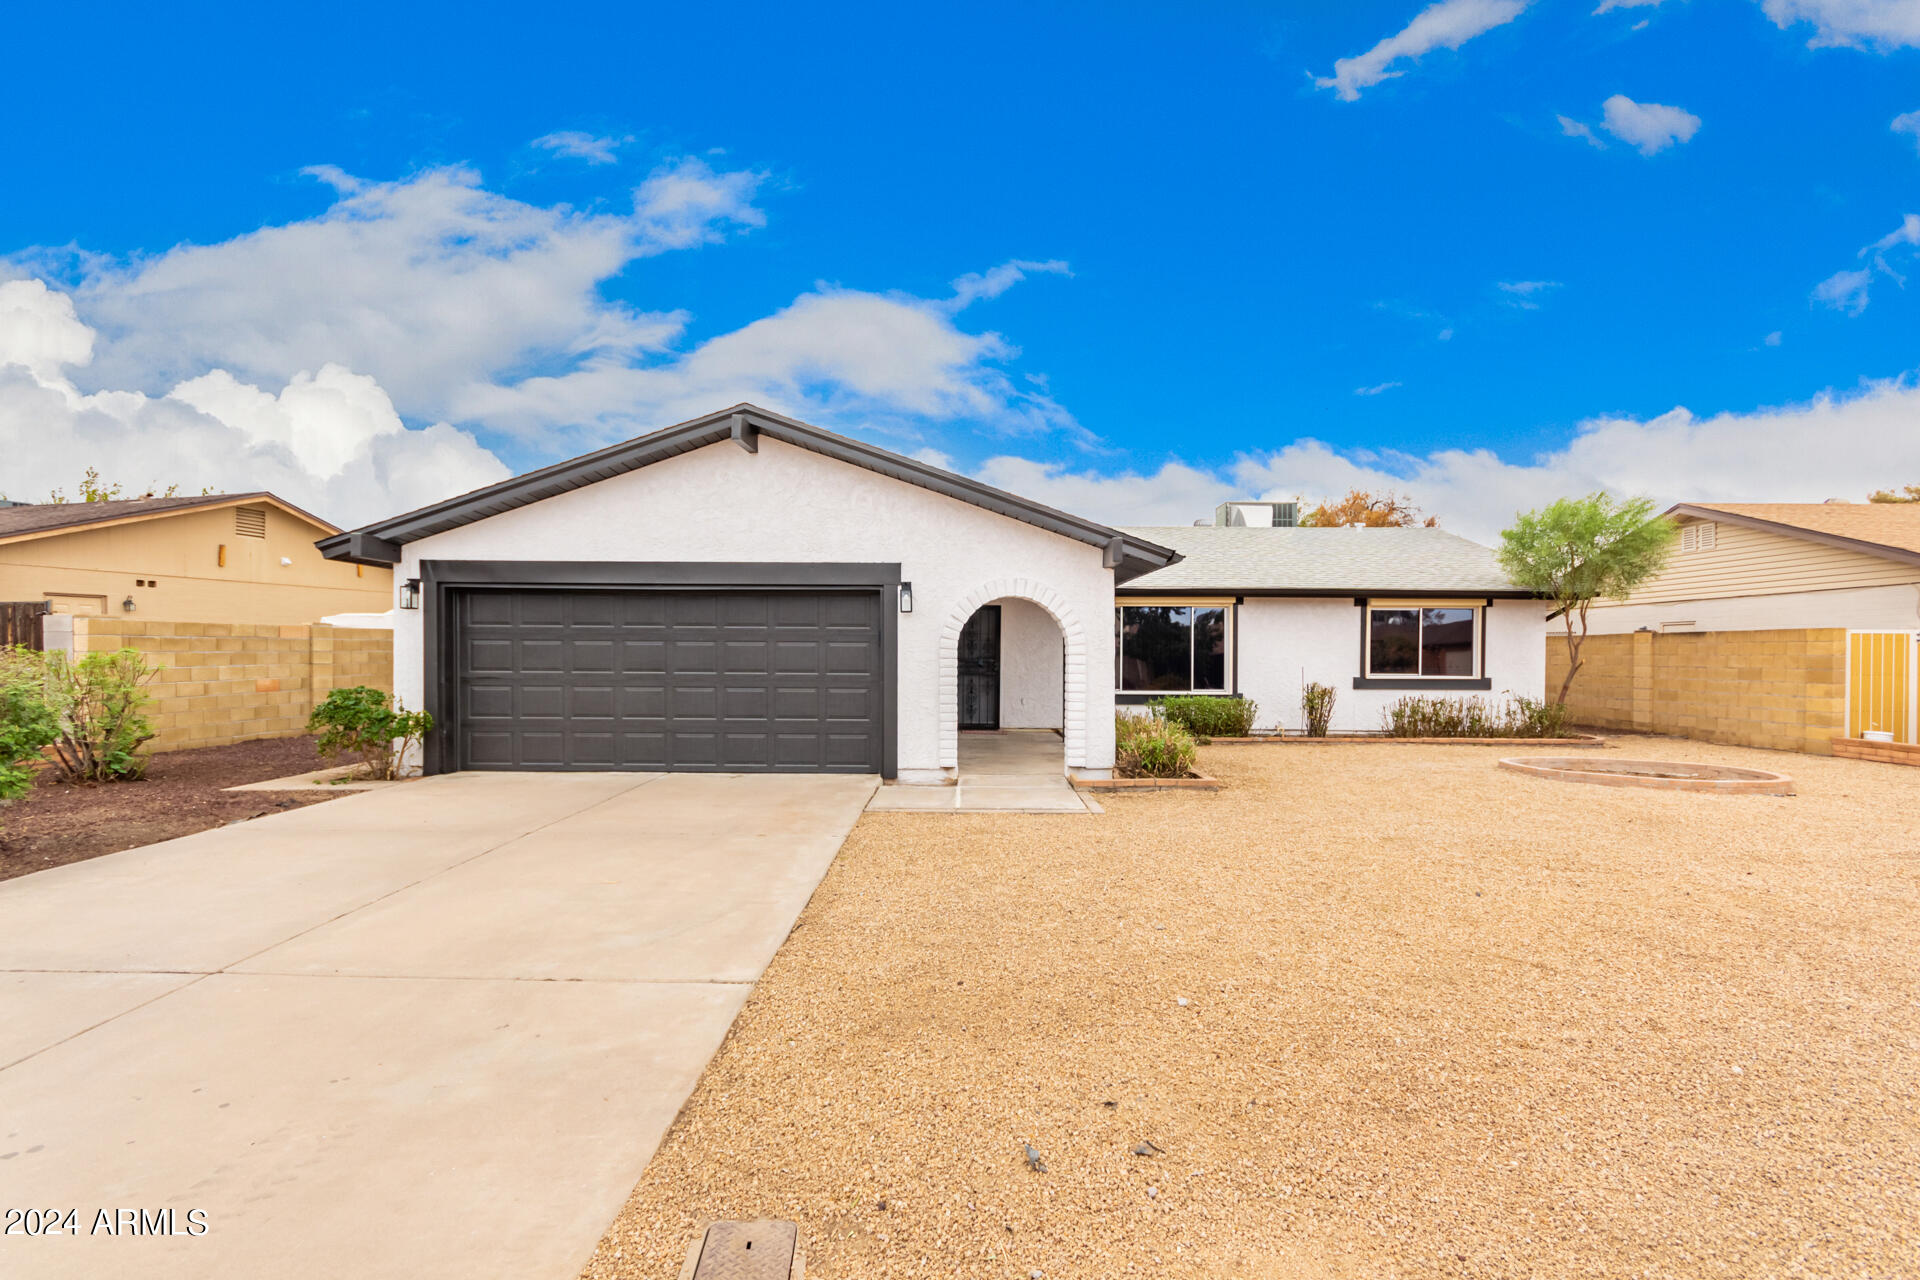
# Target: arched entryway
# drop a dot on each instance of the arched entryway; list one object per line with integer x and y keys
{"x": 1013, "y": 674}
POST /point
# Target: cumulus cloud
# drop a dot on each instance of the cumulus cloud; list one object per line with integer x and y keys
{"x": 432, "y": 285}
{"x": 576, "y": 145}
{"x": 1888, "y": 257}
{"x": 329, "y": 441}
{"x": 1871, "y": 24}
{"x": 1650, "y": 126}
{"x": 1445, "y": 25}
{"x": 1908, "y": 123}
{"x": 1833, "y": 446}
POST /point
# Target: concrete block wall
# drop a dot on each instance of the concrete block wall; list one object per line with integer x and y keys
{"x": 233, "y": 682}
{"x": 1784, "y": 690}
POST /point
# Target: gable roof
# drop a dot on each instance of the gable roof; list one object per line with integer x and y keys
{"x": 1887, "y": 529}
{"x": 41, "y": 519}
{"x": 1325, "y": 562}
{"x": 380, "y": 543}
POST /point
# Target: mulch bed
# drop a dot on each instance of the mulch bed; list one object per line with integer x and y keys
{"x": 58, "y": 822}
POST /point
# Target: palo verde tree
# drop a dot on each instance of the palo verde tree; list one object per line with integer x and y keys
{"x": 1368, "y": 510}
{"x": 1577, "y": 550}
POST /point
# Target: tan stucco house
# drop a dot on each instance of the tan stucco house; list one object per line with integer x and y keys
{"x": 228, "y": 558}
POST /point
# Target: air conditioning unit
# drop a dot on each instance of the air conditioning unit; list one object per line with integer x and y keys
{"x": 1257, "y": 515}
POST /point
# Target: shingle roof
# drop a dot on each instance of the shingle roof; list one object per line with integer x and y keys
{"x": 47, "y": 517}
{"x": 1323, "y": 561}
{"x": 1895, "y": 525}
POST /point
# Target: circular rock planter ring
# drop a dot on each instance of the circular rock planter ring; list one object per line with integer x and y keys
{"x": 1654, "y": 775}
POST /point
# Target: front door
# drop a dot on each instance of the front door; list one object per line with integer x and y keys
{"x": 980, "y": 669}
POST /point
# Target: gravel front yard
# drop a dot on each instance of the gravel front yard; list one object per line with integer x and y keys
{"x": 1442, "y": 1020}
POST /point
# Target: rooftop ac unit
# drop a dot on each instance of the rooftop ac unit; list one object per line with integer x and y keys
{"x": 1257, "y": 515}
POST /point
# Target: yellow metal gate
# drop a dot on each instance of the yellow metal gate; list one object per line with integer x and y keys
{"x": 1882, "y": 683}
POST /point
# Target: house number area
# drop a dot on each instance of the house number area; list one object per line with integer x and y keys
{"x": 104, "y": 1222}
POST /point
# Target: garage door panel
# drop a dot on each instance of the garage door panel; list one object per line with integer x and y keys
{"x": 669, "y": 679}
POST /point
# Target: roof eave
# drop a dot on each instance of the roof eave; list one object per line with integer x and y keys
{"x": 743, "y": 424}
{"x": 1845, "y": 543}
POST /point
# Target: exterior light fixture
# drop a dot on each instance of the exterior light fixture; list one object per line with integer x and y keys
{"x": 906, "y": 597}
{"x": 410, "y": 594}
{"x": 127, "y": 604}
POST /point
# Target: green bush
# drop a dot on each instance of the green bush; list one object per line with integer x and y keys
{"x": 1152, "y": 746}
{"x": 1206, "y": 717}
{"x": 1316, "y": 708}
{"x": 98, "y": 700}
{"x": 28, "y": 722}
{"x": 1511, "y": 716}
{"x": 360, "y": 721}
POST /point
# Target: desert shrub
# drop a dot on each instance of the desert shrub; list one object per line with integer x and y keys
{"x": 1316, "y": 708}
{"x": 28, "y": 722}
{"x": 98, "y": 699}
{"x": 363, "y": 722}
{"x": 1510, "y": 716}
{"x": 1152, "y": 746}
{"x": 1205, "y": 717}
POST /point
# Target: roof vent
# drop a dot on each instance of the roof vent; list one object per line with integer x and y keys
{"x": 250, "y": 522}
{"x": 1257, "y": 515}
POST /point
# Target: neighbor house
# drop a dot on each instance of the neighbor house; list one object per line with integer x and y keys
{"x": 747, "y": 592}
{"x": 244, "y": 558}
{"x": 1775, "y": 624}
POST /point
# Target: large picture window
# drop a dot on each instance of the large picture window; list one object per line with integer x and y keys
{"x": 1170, "y": 648}
{"x": 1440, "y": 642}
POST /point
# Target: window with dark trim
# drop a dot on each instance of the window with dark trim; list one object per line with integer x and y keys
{"x": 1170, "y": 648}
{"x": 1436, "y": 642}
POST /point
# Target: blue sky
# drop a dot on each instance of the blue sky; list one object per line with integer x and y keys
{"x": 1129, "y": 259}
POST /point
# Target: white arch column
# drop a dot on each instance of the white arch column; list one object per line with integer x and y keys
{"x": 1073, "y": 717}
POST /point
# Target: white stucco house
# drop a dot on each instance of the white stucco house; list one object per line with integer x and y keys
{"x": 747, "y": 592}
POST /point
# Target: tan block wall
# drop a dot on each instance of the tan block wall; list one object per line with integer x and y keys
{"x": 231, "y": 682}
{"x": 1785, "y": 690}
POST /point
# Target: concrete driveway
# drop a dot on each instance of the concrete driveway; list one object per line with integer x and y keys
{"x": 437, "y": 1029}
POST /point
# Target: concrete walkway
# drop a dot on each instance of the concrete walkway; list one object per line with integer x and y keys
{"x": 436, "y": 1029}
{"x": 1001, "y": 771}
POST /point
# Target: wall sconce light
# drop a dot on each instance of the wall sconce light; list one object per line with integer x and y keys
{"x": 286, "y": 562}
{"x": 410, "y": 594}
{"x": 906, "y": 597}
{"x": 127, "y": 604}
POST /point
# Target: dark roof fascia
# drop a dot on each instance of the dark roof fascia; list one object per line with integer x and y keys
{"x": 741, "y": 424}
{"x": 1797, "y": 531}
{"x": 1335, "y": 593}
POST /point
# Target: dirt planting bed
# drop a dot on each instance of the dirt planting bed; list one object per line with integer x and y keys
{"x": 58, "y": 822}
{"x": 1380, "y": 1013}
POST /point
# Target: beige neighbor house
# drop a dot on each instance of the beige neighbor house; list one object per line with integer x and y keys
{"x": 239, "y": 558}
{"x": 1775, "y": 624}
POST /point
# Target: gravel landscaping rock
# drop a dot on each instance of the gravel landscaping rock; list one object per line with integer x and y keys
{"x": 1447, "y": 1021}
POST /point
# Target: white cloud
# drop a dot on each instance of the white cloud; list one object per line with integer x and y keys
{"x": 1835, "y": 446}
{"x": 576, "y": 145}
{"x": 1849, "y": 290}
{"x": 1650, "y": 126}
{"x": 1609, "y": 5}
{"x": 1574, "y": 129}
{"x": 432, "y": 285}
{"x": 1878, "y": 24}
{"x": 976, "y": 285}
{"x": 1908, "y": 123}
{"x": 1772, "y": 339}
{"x": 328, "y": 441}
{"x": 1445, "y": 25}
{"x": 1526, "y": 294}
{"x": 1377, "y": 388}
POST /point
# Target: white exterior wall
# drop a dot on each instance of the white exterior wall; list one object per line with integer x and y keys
{"x": 721, "y": 503}
{"x": 1895, "y": 608}
{"x": 1032, "y": 660}
{"x": 1286, "y": 643}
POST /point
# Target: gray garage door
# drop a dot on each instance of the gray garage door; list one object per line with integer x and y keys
{"x": 720, "y": 681}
